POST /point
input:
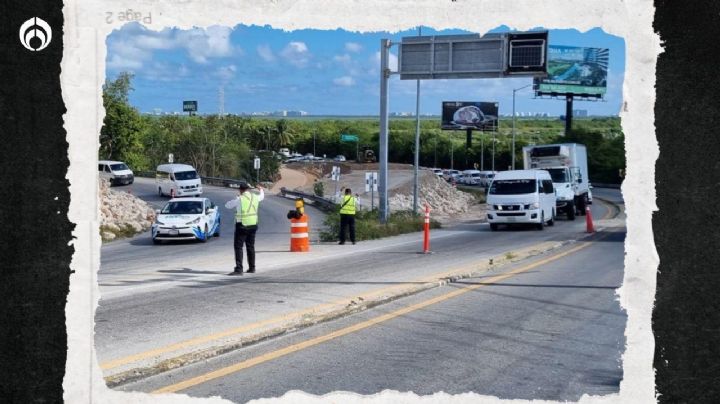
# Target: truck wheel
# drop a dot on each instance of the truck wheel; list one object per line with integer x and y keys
{"x": 493, "y": 226}
{"x": 541, "y": 225}
{"x": 551, "y": 222}
{"x": 571, "y": 211}
{"x": 160, "y": 191}
{"x": 581, "y": 205}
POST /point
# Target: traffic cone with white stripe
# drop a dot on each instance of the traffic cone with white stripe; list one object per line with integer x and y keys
{"x": 426, "y": 238}
{"x": 588, "y": 220}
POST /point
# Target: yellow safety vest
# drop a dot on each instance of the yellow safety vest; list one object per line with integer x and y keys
{"x": 248, "y": 212}
{"x": 348, "y": 205}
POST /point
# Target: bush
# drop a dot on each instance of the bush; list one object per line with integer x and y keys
{"x": 368, "y": 226}
{"x": 319, "y": 188}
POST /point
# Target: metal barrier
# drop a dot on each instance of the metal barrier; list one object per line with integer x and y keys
{"x": 317, "y": 201}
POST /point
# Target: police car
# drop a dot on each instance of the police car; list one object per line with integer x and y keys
{"x": 186, "y": 219}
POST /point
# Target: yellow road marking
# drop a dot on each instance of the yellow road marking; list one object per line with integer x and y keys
{"x": 357, "y": 327}
{"x": 284, "y": 317}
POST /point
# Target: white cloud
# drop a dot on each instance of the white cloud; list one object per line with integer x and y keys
{"x": 134, "y": 45}
{"x": 296, "y": 53}
{"x": 226, "y": 73}
{"x": 353, "y": 47}
{"x": 392, "y": 62}
{"x": 266, "y": 53}
{"x": 342, "y": 59}
{"x": 345, "y": 81}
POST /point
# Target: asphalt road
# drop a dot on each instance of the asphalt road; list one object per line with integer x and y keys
{"x": 549, "y": 328}
{"x": 153, "y": 297}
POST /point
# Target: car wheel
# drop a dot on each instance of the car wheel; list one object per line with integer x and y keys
{"x": 156, "y": 241}
{"x": 172, "y": 193}
{"x": 160, "y": 191}
{"x": 571, "y": 211}
{"x": 217, "y": 232}
{"x": 493, "y": 226}
{"x": 541, "y": 225}
{"x": 551, "y": 222}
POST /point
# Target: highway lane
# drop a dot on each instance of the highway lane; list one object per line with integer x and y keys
{"x": 138, "y": 253}
{"x": 550, "y": 328}
{"x": 193, "y": 299}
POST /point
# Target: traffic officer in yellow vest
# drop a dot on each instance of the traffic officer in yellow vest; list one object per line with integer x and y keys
{"x": 246, "y": 218}
{"x": 347, "y": 216}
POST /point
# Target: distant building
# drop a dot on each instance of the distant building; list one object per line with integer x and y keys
{"x": 580, "y": 113}
{"x": 297, "y": 113}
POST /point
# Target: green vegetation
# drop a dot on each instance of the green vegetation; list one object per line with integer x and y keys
{"x": 367, "y": 227}
{"x": 225, "y": 147}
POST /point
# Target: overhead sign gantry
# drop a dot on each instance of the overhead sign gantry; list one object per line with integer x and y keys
{"x": 496, "y": 55}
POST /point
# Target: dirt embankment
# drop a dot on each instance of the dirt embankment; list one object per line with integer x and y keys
{"x": 446, "y": 202}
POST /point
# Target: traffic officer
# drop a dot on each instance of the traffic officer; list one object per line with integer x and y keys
{"x": 246, "y": 206}
{"x": 347, "y": 216}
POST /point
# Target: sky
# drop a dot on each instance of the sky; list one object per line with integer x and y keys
{"x": 322, "y": 72}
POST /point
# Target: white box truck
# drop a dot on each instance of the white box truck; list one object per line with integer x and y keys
{"x": 567, "y": 165}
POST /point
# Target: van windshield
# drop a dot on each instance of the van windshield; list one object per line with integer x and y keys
{"x": 558, "y": 175}
{"x": 119, "y": 167}
{"x": 185, "y": 175}
{"x": 513, "y": 187}
{"x": 182, "y": 208}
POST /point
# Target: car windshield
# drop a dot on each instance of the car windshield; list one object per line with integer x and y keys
{"x": 185, "y": 175}
{"x": 475, "y": 174}
{"x": 182, "y": 208}
{"x": 513, "y": 187}
{"x": 558, "y": 175}
{"x": 119, "y": 167}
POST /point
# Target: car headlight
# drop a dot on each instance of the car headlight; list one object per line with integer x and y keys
{"x": 196, "y": 221}
{"x": 533, "y": 205}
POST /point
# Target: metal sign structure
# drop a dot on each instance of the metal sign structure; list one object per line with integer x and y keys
{"x": 256, "y": 166}
{"x": 473, "y": 56}
{"x": 371, "y": 185}
{"x": 171, "y": 158}
{"x": 496, "y": 55}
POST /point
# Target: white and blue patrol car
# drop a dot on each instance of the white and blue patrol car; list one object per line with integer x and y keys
{"x": 186, "y": 219}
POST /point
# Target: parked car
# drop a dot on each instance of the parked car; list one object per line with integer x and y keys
{"x": 448, "y": 174}
{"x": 285, "y": 152}
{"x": 186, "y": 219}
{"x": 470, "y": 177}
{"x": 438, "y": 171}
{"x": 486, "y": 178}
{"x": 339, "y": 157}
{"x": 117, "y": 172}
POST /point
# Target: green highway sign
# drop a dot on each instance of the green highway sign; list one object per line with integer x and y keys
{"x": 349, "y": 138}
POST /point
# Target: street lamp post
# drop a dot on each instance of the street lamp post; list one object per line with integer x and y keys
{"x": 515, "y": 90}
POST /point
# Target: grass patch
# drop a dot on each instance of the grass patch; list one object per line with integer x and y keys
{"x": 124, "y": 232}
{"x": 509, "y": 256}
{"x": 477, "y": 192}
{"x": 368, "y": 226}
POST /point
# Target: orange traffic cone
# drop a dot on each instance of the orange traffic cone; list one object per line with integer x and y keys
{"x": 588, "y": 220}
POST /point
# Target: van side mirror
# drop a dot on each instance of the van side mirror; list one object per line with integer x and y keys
{"x": 157, "y": 211}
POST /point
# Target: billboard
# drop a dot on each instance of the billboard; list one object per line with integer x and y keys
{"x": 575, "y": 70}
{"x": 458, "y": 115}
{"x": 189, "y": 106}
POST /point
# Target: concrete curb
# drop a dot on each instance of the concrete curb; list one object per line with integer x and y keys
{"x": 360, "y": 303}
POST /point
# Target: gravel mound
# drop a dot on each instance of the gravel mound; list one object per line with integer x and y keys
{"x": 443, "y": 198}
{"x": 122, "y": 214}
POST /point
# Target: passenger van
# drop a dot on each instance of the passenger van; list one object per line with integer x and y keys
{"x": 486, "y": 178}
{"x": 117, "y": 172}
{"x": 521, "y": 196}
{"x": 177, "y": 180}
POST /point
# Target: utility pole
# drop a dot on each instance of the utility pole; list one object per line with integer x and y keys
{"x": 417, "y": 143}
{"x": 384, "y": 81}
{"x": 513, "y": 124}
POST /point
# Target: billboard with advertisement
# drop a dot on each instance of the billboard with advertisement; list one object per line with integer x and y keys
{"x": 575, "y": 70}
{"x": 458, "y": 115}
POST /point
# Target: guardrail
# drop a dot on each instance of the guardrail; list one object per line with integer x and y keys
{"x": 217, "y": 181}
{"x": 317, "y": 201}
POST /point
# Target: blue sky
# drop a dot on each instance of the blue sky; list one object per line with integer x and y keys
{"x": 319, "y": 71}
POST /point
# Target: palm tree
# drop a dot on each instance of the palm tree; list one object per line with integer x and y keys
{"x": 284, "y": 134}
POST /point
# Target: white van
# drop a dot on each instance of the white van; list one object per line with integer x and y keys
{"x": 177, "y": 180}
{"x": 117, "y": 172}
{"x": 470, "y": 177}
{"x": 521, "y": 196}
{"x": 486, "y": 178}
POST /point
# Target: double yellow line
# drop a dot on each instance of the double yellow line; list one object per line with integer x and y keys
{"x": 354, "y": 328}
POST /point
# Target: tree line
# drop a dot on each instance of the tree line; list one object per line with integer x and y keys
{"x": 225, "y": 146}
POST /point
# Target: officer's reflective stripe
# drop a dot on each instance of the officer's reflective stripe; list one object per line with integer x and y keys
{"x": 299, "y": 235}
{"x": 302, "y": 224}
